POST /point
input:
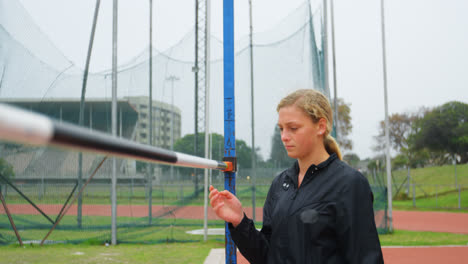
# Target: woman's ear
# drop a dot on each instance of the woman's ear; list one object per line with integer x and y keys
{"x": 322, "y": 126}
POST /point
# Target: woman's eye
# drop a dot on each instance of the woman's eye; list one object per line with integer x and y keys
{"x": 293, "y": 128}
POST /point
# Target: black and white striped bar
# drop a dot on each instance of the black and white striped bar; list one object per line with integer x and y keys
{"x": 30, "y": 128}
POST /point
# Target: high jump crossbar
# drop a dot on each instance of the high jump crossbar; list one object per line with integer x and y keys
{"x": 26, "y": 127}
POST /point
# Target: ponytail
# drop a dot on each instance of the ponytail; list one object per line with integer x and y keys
{"x": 331, "y": 146}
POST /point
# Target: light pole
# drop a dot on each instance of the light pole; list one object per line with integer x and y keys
{"x": 387, "y": 130}
{"x": 254, "y": 154}
{"x": 172, "y": 79}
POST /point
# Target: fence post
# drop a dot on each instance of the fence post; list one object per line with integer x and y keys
{"x": 414, "y": 195}
{"x": 408, "y": 181}
{"x": 182, "y": 194}
{"x": 162, "y": 192}
{"x": 459, "y": 197}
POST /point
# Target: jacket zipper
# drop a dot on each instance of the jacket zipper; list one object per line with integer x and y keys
{"x": 305, "y": 181}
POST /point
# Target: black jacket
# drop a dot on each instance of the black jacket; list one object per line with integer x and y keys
{"x": 329, "y": 219}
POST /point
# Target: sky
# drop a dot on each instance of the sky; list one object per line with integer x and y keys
{"x": 426, "y": 46}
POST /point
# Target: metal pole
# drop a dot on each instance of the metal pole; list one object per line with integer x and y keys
{"x": 195, "y": 69}
{"x": 59, "y": 218}
{"x": 18, "y": 125}
{"x": 455, "y": 167}
{"x": 172, "y": 122}
{"x": 229, "y": 114}
{"x": 172, "y": 79}
{"x": 82, "y": 108}
{"x": 459, "y": 197}
{"x": 91, "y": 116}
{"x": 326, "y": 87}
{"x": 254, "y": 156}
{"x": 114, "y": 122}
{"x": 10, "y": 218}
{"x": 408, "y": 180}
{"x": 335, "y": 85}
{"x": 25, "y": 197}
{"x": 207, "y": 114}
{"x": 387, "y": 130}
{"x": 314, "y": 52}
{"x": 66, "y": 202}
{"x": 150, "y": 166}
{"x": 172, "y": 127}
{"x": 42, "y": 194}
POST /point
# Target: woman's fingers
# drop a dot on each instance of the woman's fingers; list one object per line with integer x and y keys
{"x": 214, "y": 199}
{"x": 226, "y": 194}
{"x": 217, "y": 198}
{"x": 213, "y": 191}
{"x": 218, "y": 206}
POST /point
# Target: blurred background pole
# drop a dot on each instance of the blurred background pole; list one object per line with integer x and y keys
{"x": 455, "y": 167}
{"x": 229, "y": 115}
{"x": 335, "y": 85}
{"x": 195, "y": 69}
{"x": 387, "y": 123}
{"x": 314, "y": 56}
{"x": 207, "y": 114}
{"x": 325, "y": 48}
{"x": 254, "y": 156}
{"x": 172, "y": 79}
{"x": 150, "y": 165}
{"x": 82, "y": 108}
{"x": 114, "y": 123}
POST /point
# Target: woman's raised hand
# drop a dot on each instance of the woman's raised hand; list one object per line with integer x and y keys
{"x": 226, "y": 206}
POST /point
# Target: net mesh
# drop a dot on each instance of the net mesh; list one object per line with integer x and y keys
{"x": 36, "y": 75}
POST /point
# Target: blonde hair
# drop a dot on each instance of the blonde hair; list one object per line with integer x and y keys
{"x": 316, "y": 106}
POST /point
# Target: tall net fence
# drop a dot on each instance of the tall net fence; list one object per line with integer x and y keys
{"x": 155, "y": 203}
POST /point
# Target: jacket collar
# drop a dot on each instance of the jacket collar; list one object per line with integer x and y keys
{"x": 293, "y": 171}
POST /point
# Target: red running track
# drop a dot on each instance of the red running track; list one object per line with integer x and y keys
{"x": 431, "y": 221}
{"x": 415, "y": 255}
{"x": 404, "y": 220}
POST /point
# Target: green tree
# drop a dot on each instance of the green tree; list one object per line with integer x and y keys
{"x": 343, "y": 124}
{"x": 243, "y": 152}
{"x": 6, "y": 169}
{"x": 444, "y": 130}
{"x": 400, "y": 161}
{"x": 402, "y": 128}
{"x": 352, "y": 159}
{"x": 377, "y": 163}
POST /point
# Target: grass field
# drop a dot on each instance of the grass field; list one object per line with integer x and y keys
{"x": 434, "y": 179}
{"x": 162, "y": 253}
{"x": 433, "y": 187}
{"x": 447, "y": 201}
{"x": 97, "y": 229}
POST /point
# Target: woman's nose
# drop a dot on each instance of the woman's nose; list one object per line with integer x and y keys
{"x": 284, "y": 136}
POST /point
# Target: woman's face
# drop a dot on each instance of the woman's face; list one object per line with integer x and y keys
{"x": 299, "y": 134}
